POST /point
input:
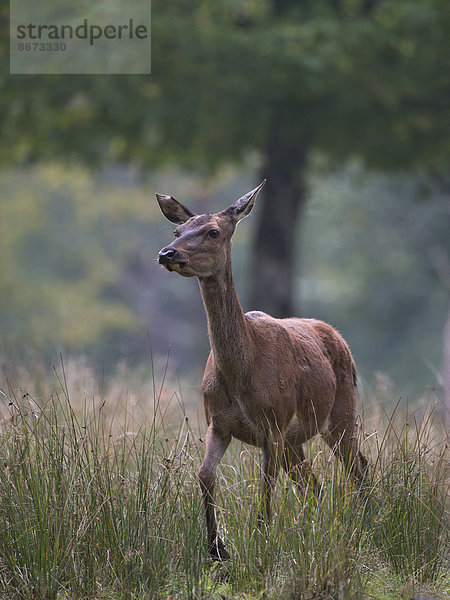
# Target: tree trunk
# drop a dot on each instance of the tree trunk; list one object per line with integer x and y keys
{"x": 273, "y": 271}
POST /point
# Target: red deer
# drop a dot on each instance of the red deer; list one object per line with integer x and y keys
{"x": 272, "y": 383}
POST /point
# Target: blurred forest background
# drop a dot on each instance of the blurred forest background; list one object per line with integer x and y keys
{"x": 342, "y": 104}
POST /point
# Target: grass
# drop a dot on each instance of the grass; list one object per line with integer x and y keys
{"x": 95, "y": 506}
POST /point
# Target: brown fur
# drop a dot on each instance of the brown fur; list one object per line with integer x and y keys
{"x": 273, "y": 383}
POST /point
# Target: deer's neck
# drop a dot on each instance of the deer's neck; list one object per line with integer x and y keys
{"x": 227, "y": 326}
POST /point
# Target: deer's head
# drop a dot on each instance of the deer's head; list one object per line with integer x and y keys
{"x": 202, "y": 244}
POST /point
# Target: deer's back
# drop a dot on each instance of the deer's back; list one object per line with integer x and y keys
{"x": 301, "y": 341}
{"x": 302, "y": 362}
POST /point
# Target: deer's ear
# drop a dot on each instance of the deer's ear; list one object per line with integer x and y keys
{"x": 242, "y": 207}
{"x": 173, "y": 210}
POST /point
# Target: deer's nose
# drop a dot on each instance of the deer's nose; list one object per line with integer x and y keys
{"x": 167, "y": 254}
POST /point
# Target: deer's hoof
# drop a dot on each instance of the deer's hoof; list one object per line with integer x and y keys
{"x": 217, "y": 551}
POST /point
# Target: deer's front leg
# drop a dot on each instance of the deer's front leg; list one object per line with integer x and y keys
{"x": 216, "y": 444}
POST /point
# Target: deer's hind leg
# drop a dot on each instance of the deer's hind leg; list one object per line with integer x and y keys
{"x": 342, "y": 436}
{"x": 295, "y": 463}
{"x": 345, "y": 445}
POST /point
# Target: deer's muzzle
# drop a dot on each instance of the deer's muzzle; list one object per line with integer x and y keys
{"x": 169, "y": 257}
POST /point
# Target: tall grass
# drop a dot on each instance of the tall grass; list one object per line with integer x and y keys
{"x": 90, "y": 510}
{"x": 411, "y": 525}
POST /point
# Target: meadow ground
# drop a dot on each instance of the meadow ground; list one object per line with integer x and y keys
{"x": 99, "y": 499}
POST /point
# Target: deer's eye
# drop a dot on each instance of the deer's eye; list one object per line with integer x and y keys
{"x": 213, "y": 233}
{"x": 176, "y": 234}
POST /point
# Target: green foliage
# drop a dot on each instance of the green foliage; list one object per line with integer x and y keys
{"x": 63, "y": 237}
{"x": 358, "y": 78}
